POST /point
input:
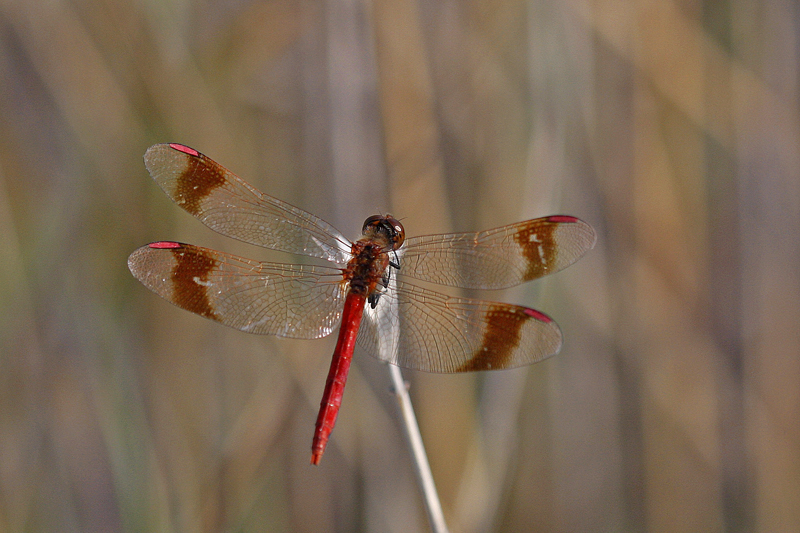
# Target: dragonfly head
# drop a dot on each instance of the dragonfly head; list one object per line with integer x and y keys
{"x": 387, "y": 227}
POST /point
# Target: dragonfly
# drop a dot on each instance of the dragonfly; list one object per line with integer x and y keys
{"x": 366, "y": 290}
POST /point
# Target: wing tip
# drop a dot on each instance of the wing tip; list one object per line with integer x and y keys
{"x": 163, "y": 149}
{"x": 548, "y": 332}
{"x": 185, "y": 149}
{"x": 538, "y": 315}
{"x": 161, "y": 245}
{"x": 588, "y": 231}
{"x": 136, "y": 261}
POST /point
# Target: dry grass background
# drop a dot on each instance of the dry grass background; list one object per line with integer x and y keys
{"x": 670, "y": 125}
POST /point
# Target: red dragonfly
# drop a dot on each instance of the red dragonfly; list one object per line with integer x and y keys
{"x": 390, "y": 318}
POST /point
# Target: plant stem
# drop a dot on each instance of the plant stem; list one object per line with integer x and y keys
{"x": 419, "y": 458}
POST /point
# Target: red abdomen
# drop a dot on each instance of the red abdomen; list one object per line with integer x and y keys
{"x": 337, "y": 375}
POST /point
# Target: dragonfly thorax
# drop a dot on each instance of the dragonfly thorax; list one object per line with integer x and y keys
{"x": 366, "y": 268}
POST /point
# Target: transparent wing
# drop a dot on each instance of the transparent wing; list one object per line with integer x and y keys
{"x": 225, "y": 203}
{"x": 296, "y": 301}
{"x": 497, "y": 258}
{"x": 424, "y": 330}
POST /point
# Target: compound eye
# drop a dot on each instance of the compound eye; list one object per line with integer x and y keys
{"x": 398, "y": 232}
{"x": 374, "y": 220}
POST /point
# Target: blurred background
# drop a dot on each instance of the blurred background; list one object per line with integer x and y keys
{"x": 671, "y": 126}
